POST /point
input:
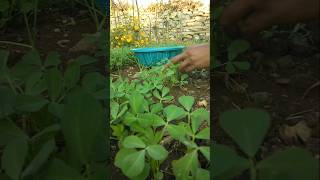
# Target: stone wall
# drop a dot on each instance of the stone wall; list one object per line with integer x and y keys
{"x": 183, "y": 25}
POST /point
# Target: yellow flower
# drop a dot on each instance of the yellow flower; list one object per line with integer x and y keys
{"x": 142, "y": 41}
{"x": 116, "y": 37}
{"x": 129, "y": 40}
{"x": 119, "y": 43}
{"x": 136, "y": 28}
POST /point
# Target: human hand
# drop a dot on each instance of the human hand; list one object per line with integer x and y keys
{"x": 194, "y": 57}
{"x": 252, "y": 16}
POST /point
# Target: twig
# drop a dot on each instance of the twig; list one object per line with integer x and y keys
{"x": 299, "y": 113}
{"x": 309, "y": 89}
{"x": 16, "y": 44}
{"x": 235, "y": 105}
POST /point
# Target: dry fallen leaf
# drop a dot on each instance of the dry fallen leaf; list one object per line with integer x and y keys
{"x": 203, "y": 103}
{"x": 293, "y": 133}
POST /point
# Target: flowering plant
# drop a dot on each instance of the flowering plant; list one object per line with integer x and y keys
{"x": 128, "y": 34}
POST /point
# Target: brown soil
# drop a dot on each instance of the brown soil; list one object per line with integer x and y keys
{"x": 47, "y": 38}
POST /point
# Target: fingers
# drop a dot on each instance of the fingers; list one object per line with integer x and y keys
{"x": 179, "y": 58}
{"x": 189, "y": 68}
{"x": 184, "y": 65}
{"x": 234, "y": 13}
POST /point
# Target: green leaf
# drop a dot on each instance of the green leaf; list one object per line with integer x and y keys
{"x": 26, "y": 6}
{"x": 230, "y": 68}
{"x": 197, "y": 117}
{"x": 7, "y": 104}
{"x": 187, "y": 164}
{"x": 72, "y": 75}
{"x": 32, "y": 58}
{"x": 137, "y": 102}
{"x": 144, "y": 175}
{"x": 29, "y": 103}
{"x": 165, "y": 91}
{"x": 176, "y": 132}
{"x": 174, "y": 112}
{"x": 49, "y": 129}
{"x": 121, "y": 156}
{"x": 227, "y": 163}
{"x": 115, "y": 109}
{"x": 159, "y": 175}
{"x": 157, "y": 94}
{"x": 9, "y": 131}
{"x": 150, "y": 119}
{"x": 54, "y": 83}
{"x": 133, "y": 142}
{"x": 53, "y": 59}
{"x": 4, "y": 5}
{"x": 204, "y": 134}
{"x": 155, "y": 108}
{"x": 29, "y": 64}
{"x": 157, "y": 152}
{"x": 292, "y": 163}
{"x": 93, "y": 82}
{"x": 99, "y": 171}
{"x": 242, "y": 65}
{"x": 237, "y": 47}
{"x": 3, "y": 176}
{"x": 247, "y": 128}
{"x": 13, "y": 157}
{"x": 58, "y": 169}
{"x": 4, "y": 54}
{"x": 81, "y": 120}
{"x": 135, "y": 163}
{"x": 56, "y": 109}
{"x": 205, "y": 150}
{"x": 85, "y": 60}
{"x": 202, "y": 174}
{"x": 187, "y": 102}
{"x": 31, "y": 82}
{"x": 40, "y": 159}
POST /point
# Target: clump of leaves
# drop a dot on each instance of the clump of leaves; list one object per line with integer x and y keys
{"x": 140, "y": 126}
{"x": 44, "y": 112}
{"x": 248, "y": 128}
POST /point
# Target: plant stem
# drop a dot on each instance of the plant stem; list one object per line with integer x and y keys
{"x": 11, "y": 84}
{"x": 95, "y": 17}
{"x": 35, "y": 16}
{"x": 16, "y": 44}
{"x": 253, "y": 171}
{"x": 28, "y": 29}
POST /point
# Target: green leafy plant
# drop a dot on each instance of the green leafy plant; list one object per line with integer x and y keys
{"x": 248, "y": 128}
{"x": 140, "y": 125}
{"x": 44, "y": 129}
{"x": 234, "y": 50}
{"x": 162, "y": 95}
{"x": 120, "y": 57}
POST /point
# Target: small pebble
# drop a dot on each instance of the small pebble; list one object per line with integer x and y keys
{"x": 57, "y": 30}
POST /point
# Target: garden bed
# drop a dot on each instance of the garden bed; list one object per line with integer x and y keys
{"x": 197, "y": 87}
{"x": 282, "y": 80}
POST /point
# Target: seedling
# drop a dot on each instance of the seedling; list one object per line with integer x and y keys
{"x": 37, "y": 97}
{"x": 163, "y": 95}
{"x": 248, "y": 128}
